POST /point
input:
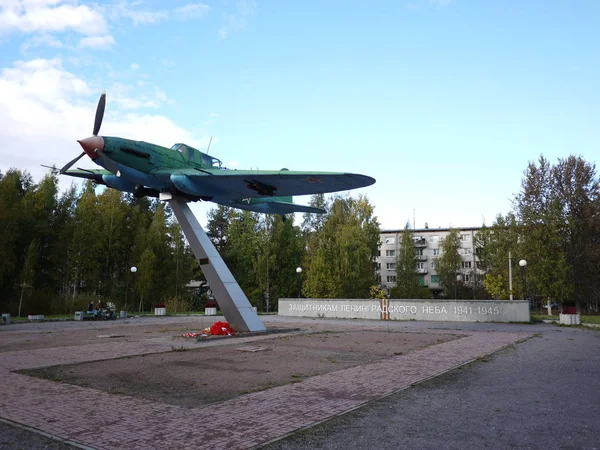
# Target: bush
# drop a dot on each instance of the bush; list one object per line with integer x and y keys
{"x": 178, "y": 304}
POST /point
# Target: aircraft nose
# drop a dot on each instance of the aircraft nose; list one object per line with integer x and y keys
{"x": 91, "y": 144}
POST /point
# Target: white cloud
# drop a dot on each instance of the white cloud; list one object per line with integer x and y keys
{"x": 127, "y": 97}
{"x": 237, "y": 21}
{"x": 34, "y": 16}
{"x": 44, "y": 109}
{"x": 134, "y": 66}
{"x": 41, "y": 40}
{"x": 100, "y": 42}
{"x": 127, "y": 10}
{"x": 192, "y": 11}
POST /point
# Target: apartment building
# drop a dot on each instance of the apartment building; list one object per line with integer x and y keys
{"x": 427, "y": 250}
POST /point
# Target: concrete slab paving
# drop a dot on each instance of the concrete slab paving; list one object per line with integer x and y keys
{"x": 96, "y": 419}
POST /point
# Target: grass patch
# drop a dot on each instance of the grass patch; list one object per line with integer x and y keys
{"x": 591, "y": 319}
{"x": 584, "y": 319}
{"x": 540, "y": 317}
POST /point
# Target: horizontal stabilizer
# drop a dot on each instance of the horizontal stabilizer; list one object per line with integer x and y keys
{"x": 288, "y": 208}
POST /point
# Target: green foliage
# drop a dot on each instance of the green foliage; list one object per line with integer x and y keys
{"x": 60, "y": 251}
{"x": 342, "y": 249}
{"x": 377, "y": 292}
{"x": 449, "y": 263}
{"x": 218, "y": 227}
{"x": 495, "y": 285}
{"x": 407, "y": 280}
{"x": 554, "y": 227}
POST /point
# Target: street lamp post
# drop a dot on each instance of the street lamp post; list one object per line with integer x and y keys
{"x": 523, "y": 264}
{"x": 510, "y": 292}
{"x": 133, "y": 271}
{"x": 458, "y": 280}
{"x": 299, "y": 272}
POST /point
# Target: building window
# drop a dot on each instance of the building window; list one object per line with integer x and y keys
{"x": 422, "y": 280}
{"x": 391, "y": 266}
{"x": 434, "y": 264}
{"x": 420, "y": 265}
{"x": 418, "y": 251}
{"x": 390, "y": 253}
{"x": 378, "y": 266}
{"x": 465, "y": 237}
{"x": 435, "y": 279}
{"x": 435, "y": 252}
{"x": 378, "y": 252}
{"x": 466, "y": 278}
{"x": 378, "y": 279}
{"x": 434, "y": 239}
{"x": 465, "y": 264}
{"x": 390, "y": 240}
{"x": 465, "y": 251}
{"x": 391, "y": 278}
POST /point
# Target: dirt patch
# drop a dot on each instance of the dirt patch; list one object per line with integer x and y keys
{"x": 125, "y": 331}
{"x": 191, "y": 378}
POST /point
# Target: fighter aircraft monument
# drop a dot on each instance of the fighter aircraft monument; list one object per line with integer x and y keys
{"x": 182, "y": 174}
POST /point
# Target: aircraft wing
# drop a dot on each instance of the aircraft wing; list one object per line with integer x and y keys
{"x": 255, "y": 183}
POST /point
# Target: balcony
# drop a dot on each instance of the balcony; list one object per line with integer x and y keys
{"x": 420, "y": 257}
{"x": 421, "y": 271}
{"x": 420, "y": 242}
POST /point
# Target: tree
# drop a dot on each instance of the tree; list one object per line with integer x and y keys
{"x": 577, "y": 189}
{"x": 493, "y": 246}
{"x": 85, "y": 249}
{"x": 29, "y": 269}
{"x": 341, "y": 265}
{"x": 495, "y": 285}
{"x": 13, "y": 187}
{"x": 146, "y": 277}
{"x": 281, "y": 254}
{"x": 246, "y": 240}
{"x": 407, "y": 282}
{"x": 449, "y": 263}
{"x": 218, "y": 227}
{"x": 558, "y": 207}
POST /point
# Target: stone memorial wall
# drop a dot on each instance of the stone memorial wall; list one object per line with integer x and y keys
{"x": 397, "y": 309}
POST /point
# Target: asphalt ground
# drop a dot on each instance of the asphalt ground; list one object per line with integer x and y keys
{"x": 543, "y": 393}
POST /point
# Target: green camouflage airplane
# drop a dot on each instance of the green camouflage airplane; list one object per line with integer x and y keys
{"x": 146, "y": 169}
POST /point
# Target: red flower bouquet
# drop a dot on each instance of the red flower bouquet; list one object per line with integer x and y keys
{"x": 217, "y": 329}
{"x": 221, "y": 329}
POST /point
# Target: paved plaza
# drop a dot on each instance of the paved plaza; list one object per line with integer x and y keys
{"x": 90, "y": 418}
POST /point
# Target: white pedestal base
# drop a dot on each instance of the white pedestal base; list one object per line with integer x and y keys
{"x": 570, "y": 319}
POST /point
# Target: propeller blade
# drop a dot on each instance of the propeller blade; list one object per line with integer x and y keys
{"x": 53, "y": 168}
{"x": 86, "y": 170}
{"x": 99, "y": 114}
{"x": 108, "y": 163}
{"x": 70, "y": 163}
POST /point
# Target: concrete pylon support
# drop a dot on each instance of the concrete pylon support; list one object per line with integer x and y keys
{"x": 231, "y": 299}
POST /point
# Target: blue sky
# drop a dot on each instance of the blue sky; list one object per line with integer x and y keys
{"x": 444, "y": 102}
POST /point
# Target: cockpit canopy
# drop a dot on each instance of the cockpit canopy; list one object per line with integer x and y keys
{"x": 194, "y": 155}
